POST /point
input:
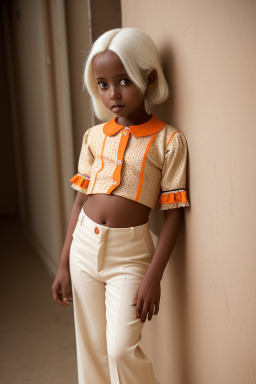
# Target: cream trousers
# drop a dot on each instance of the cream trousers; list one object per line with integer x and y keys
{"x": 106, "y": 267}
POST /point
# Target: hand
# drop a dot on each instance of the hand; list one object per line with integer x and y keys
{"x": 147, "y": 297}
{"x": 61, "y": 288}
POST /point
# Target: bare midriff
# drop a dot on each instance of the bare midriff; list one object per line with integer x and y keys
{"x": 115, "y": 211}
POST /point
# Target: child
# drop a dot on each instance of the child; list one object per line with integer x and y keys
{"x": 126, "y": 165}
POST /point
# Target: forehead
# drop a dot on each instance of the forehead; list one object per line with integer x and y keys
{"x": 107, "y": 63}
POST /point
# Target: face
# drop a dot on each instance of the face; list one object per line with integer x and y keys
{"x": 117, "y": 92}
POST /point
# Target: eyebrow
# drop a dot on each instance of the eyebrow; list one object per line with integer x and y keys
{"x": 120, "y": 75}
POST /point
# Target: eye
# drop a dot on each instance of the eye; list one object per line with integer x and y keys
{"x": 125, "y": 82}
{"x": 102, "y": 84}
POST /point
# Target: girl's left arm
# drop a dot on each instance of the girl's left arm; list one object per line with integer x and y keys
{"x": 147, "y": 297}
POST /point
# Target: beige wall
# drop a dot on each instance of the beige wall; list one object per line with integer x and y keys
{"x": 206, "y": 329}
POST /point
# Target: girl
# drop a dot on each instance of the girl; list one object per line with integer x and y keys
{"x": 109, "y": 266}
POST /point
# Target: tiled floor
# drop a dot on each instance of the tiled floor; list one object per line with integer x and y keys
{"x": 37, "y": 337}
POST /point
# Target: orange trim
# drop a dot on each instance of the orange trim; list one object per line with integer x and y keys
{"x": 173, "y": 197}
{"x": 172, "y": 137}
{"x": 80, "y": 181}
{"x": 102, "y": 163}
{"x": 143, "y": 166}
{"x": 120, "y": 156}
{"x": 151, "y": 126}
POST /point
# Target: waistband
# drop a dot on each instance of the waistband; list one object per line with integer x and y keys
{"x": 101, "y": 231}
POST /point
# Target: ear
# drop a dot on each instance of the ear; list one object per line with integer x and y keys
{"x": 152, "y": 75}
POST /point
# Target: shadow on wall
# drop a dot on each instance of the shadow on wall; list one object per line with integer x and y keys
{"x": 166, "y": 109}
{"x": 175, "y": 276}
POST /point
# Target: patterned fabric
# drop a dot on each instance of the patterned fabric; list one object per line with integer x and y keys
{"x": 145, "y": 163}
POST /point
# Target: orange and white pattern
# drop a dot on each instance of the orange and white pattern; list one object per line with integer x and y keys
{"x": 144, "y": 163}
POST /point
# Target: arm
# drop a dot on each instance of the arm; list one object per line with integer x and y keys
{"x": 148, "y": 293}
{"x": 62, "y": 284}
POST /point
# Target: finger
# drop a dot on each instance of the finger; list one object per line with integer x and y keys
{"x": 69, "y": 293}
{"x": 135, "y": 300}
{"x": 144, "y": 311}
{"x": 56, "y": 290}
{"x": 57, "y": 295}
{"x": 150, "y": 312}
{"x": 139, "y": 308}
{"x": 65, "y": 295}
{"x": 59, "y": 301}
{"x": 66, "y": 300}
{"x": 156, "y": 307}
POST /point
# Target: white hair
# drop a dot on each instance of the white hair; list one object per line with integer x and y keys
{"x": 138, "y": 55}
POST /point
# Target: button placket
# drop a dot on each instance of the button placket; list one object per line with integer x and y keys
{"x": 116, "y": 178}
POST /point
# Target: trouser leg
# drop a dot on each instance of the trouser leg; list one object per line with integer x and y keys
{"x": 128, "y": 364}
{"x": 108, "y": 269}
{"x": 89, "y": 316}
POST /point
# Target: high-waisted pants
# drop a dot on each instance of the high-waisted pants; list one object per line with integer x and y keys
{"x": 106, "y": 267}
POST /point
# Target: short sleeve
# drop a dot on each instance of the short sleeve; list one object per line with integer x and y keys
{"x": 173, "y": 184}
{"x": 80, "y": 180}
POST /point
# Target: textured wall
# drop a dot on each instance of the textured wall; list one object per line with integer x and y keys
{"x": 205, "y": 331}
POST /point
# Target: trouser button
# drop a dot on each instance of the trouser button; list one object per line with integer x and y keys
{"x": 96, "y": 230}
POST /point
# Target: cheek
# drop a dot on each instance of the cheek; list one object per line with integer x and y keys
{"x": 103, "y": 97}
{"x": 140, "y": 94}
{"x": 136, "y": 95}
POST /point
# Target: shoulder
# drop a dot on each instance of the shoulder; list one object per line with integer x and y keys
{"x": 92, "y": 132}
{"x": 172, "y": 137}
{"x": 95, "y": 129}
{"x": 170, "y": 130}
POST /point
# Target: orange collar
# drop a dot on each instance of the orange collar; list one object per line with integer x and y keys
{"x": 149, "y": 128}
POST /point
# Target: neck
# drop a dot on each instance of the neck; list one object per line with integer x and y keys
{"x": 134, "y": 119}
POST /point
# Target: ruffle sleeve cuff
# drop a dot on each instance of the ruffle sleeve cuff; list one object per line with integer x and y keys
{"x": 80, "y": 182}
{"x": 173, "y": 199}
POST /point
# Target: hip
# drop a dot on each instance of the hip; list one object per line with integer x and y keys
{"x": 98, "y": 248}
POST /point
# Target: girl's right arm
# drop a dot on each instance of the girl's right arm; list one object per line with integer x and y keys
{"x": 61, "y": 287}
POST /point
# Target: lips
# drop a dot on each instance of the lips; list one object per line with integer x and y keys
{"x": 117, "y": 107}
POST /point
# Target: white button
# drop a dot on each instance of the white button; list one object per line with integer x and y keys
{"x": 124, "y": 133}
{"x": 114, "y": 182}
{"x": 119, "y": 162}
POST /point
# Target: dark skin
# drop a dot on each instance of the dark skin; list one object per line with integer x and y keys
{"x": 115, "y": 88}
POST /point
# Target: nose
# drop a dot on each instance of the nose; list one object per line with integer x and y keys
{"x": 115, "y": 94}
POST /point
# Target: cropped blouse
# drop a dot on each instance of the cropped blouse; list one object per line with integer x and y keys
{"x": 145, "y": 163}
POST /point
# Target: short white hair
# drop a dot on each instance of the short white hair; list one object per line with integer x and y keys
{"x": 138, "y": 55}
